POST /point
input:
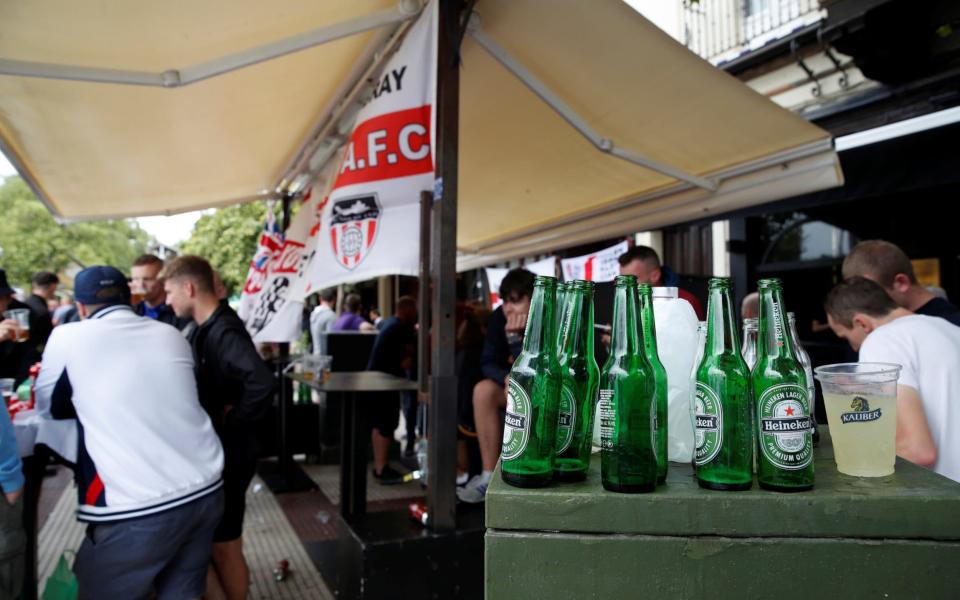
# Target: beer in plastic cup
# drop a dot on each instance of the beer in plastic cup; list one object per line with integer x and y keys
{"x": 317, "y": 367}
{"x": 7, "y": 390}
{"x": 861, "y": 403}
{"x": 22, "y": 317}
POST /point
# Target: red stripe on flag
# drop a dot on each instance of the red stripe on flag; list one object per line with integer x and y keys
{"x": 399, "y": 143}
{"x": 371, "y": 231}
{"x": 588, "y": 269}
{"x": 94, "y": 491}
{"x": 333, "y": 239}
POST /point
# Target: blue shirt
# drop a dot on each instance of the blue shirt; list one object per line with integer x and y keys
{"x": 11, "y": 469}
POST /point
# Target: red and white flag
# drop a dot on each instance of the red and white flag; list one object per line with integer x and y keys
{"x": 495, "y": 275}
{"x": 598, "y": 266}
{"x": 366, "y": 223}
{"x": 371, "y": 223}
{"x": 268, "y": 247}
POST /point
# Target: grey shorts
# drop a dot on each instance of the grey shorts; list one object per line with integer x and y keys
{"x": 167, "y": 553}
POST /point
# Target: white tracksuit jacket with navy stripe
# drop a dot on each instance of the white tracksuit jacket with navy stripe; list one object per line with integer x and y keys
{"x": 146, "y": 444}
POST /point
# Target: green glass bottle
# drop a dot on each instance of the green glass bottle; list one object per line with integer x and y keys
{"x": 533, "y": 396}
{"x": 785, "y": 457}
{"x": 628, "y": 459}
{"x": 649, "y": 329}
{"x": 724, "y": 424}
{"x": 580, "y": 378}
{"x": 561, "y": 314}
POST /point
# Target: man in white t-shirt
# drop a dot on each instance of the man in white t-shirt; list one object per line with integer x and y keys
{"x": 928, "y": 350}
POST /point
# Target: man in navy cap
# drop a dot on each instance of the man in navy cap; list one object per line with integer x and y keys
{"x": 149, "y": 463}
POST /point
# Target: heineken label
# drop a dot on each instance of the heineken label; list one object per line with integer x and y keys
{"x": 709, "y": 424}
{"x": 784, "y": 426}
{"x": 568, "y": 417}
{"x": 516, "y": 425}
{"x": 607, "y": 418}
{"x": 778, "y": 323}
{"x": 861, "y": 412}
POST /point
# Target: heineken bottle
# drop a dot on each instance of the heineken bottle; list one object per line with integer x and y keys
{"x": 724, "y": 424}
{"x": 533, "y": 396}
{"x": 807, "y": 365}
{"x": 580, "y": 378}
{"x": 561, "y": 313}
{"x": 785, "y": 457}
{"x": 628, "y": 459}
{"x": 648, "y": 326}
{"x": 750, "y": 341}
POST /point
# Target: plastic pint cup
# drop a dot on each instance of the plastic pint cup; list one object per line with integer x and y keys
{"x": 861, "y": 403}
{"x": 22, "y": 317}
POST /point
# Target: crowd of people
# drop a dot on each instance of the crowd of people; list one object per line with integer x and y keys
{"x": 166, "y": 389}
{"x": 879, "y": 308}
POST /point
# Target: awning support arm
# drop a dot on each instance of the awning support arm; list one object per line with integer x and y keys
{"x": 576, "y": 121}
{"x": 172, "y": 78}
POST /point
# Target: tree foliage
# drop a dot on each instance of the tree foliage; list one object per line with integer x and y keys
{"x": 227, "y": 238}
{"x": 31, "y": 241}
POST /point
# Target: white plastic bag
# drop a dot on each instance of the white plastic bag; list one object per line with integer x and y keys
{"x": 677, "y": 346}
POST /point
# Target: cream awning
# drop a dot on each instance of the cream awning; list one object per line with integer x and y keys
{"x": 671, "y": 137}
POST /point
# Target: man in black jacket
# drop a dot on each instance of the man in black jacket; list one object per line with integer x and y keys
{"x": 16, "y": 357}
{"x": 236, "y": 388}
{"x": 44, "y": 289}
{"x": 147, "y": 284}
{"x": 501, "y": 347}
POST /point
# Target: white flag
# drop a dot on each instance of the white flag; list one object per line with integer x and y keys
{"x": 367, "y": 224}
{"x": 371, "y": 222}
{"x": 598, "y": 266}
{"x": 495, "y": 275}
{"x": 281, "y": 303}
{"x": 254, "y": 313}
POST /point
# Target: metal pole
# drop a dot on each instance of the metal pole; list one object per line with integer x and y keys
{"x": 441, "y": 479}
{"x": 284, "y": 462}
{"x": 424, "y": 299}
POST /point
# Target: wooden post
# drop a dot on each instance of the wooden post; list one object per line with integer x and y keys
{"x": 442, "y": 426}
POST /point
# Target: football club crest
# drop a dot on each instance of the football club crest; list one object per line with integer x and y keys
{"x": 354, "y": 224}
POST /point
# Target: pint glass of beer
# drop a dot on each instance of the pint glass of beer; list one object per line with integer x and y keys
{"x": 22, "y": 317}
{"x": 861, "y": 402}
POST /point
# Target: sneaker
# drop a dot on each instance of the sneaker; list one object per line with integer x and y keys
{"x": 462, "y": 479}
{"x": 475, "y": 491}
{"x": 388, "y": 476}
{"x": 409, "y": 450}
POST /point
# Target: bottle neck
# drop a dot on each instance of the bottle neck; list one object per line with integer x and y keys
{"x": 624, "y": 339}
{"x": 647, "y": 322}
{"x": 540, "y": 334}
{"x": 722, "y": 334}
{"x": 579, "y": 324}
{"x": 773, "y": 339}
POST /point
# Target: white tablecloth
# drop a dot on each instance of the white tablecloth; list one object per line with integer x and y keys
{"x": 60, "y": 436}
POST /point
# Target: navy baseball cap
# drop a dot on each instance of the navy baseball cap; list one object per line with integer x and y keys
{"x": 101, "y": 285}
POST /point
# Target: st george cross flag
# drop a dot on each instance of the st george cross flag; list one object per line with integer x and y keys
{"x": 371, "y": 223}
{"x": 597, "y": 266}
{"x": 495, "y": 275}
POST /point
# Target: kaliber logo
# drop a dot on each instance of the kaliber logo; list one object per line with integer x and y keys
{"x": 516, "y": 425}
{"x": 861, "y": 412}
{"x": 353, "y": 228}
